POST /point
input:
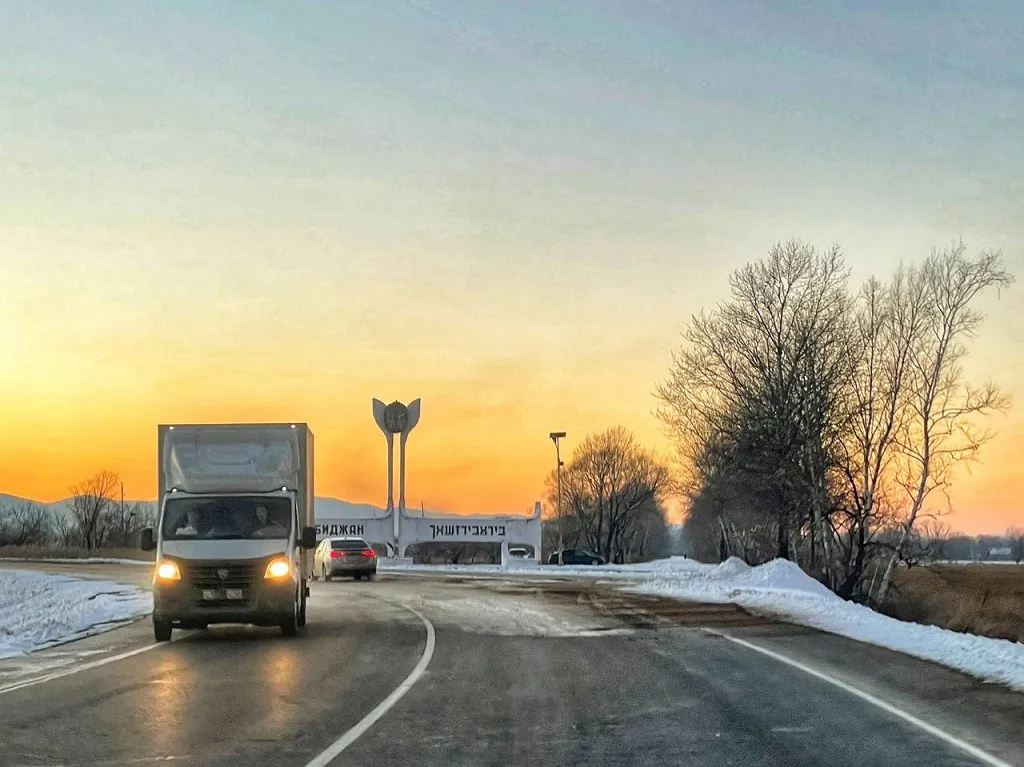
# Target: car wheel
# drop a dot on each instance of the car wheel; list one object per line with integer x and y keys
{"x": 327, "y": 575}
{"x": 161, "y": 631}
{"x": 371, "y": 576}
{"x": 302, "y": 610}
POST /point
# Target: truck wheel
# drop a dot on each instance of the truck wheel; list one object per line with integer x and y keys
{"x": 290, "y": 623}
{"x": 161, "y": 630}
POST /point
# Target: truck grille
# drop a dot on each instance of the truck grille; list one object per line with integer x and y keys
{"x": 227, "y": 575}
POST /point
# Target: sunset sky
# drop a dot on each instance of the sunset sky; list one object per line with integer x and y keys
{"x": 216, "y": 211}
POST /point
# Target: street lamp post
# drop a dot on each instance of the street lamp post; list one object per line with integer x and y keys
{"x": 555, "y": 436}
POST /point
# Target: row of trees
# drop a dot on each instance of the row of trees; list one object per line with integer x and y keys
{"x": 95, "y": 517}
{"x": 612, "y": 500}
{"x": 824, "y": 425}
{"x": 983, "y": 548}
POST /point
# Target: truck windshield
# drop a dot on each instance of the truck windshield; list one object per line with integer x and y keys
{"x": 226, "y": 518}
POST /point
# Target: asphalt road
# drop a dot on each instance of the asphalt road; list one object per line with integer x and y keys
{"x": 502, "y": 672}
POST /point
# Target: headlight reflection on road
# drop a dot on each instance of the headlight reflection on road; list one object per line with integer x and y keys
{"x": 165, "y": 713}
{"x": 283, "y": 693}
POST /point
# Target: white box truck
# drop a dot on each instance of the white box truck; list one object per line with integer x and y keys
{"x": 235, "y": 534}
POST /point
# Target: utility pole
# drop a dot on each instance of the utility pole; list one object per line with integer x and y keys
{"x": 555, "y": 436}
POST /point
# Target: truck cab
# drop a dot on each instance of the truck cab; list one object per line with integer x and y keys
{"x": 235, "y": 534}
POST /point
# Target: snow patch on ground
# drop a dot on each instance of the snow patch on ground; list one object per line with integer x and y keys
{"x": 500, "y": 615}
{"x": 40, "y": 610}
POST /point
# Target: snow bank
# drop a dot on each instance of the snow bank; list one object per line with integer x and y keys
{"x": 779, "y": 589}
{"x": 39, "y": 610}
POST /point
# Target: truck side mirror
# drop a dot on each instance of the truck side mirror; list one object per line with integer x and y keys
{"x": 146, "y": 540}
{"x": 308, "y": 540}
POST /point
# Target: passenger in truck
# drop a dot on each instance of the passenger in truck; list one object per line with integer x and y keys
{"x": 265, "y": 526}
{"x": 191, "y": 524}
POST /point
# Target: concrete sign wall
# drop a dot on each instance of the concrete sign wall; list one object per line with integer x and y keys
{"x": 415, "y": 528}
{"x": 371, "y": 529}
{"x": 506, "y": 530}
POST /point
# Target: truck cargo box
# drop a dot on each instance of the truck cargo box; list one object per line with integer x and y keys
{"x": 238, "y": 458}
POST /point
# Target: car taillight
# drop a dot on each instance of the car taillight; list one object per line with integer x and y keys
{"x": 336, "y": 554}
{"x": 369, "y": 553}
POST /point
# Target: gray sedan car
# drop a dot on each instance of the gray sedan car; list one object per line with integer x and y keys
{"x": 344, "y": 556}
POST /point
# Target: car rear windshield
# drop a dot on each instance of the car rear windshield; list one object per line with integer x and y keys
{"x": 350, "y": 545}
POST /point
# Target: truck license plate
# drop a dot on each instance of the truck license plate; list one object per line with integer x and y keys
{"x": 234, "y": 594}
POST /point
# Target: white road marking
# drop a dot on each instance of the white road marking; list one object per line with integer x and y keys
{"x": 935, "y": 732}
{"x": 75, "y": 669}
{"x": 364, "y": 724}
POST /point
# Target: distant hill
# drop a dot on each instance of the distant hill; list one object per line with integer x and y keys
{"x": 59, "y": 507}
{"x": 324, "y": 508}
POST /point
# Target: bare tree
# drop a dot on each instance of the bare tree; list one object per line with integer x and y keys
{"x": 123, "y": 520}
{"x": 939, "y": 431}
{"x": 65, "y": 531}
{"x": 816, "y": 427}
{"x": 1015, "y": 536}
{"x": 25, "y": 524}
{"x": 754, "y": 394}
{"x": 888, "y": 322}
{"x": 611, "y": 493}
{"x": 926, "y": 544}
{"x": 91, "y": 503}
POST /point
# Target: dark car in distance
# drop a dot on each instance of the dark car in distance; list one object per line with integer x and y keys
{"x": 575, "y": 557}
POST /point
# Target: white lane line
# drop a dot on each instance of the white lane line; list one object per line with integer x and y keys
{"x": 364, "y": 724}
{"x": 935, "y": 732}
{"x": 75, "y": 669}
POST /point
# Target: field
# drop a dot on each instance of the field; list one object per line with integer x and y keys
{"x": 975, "y": 598}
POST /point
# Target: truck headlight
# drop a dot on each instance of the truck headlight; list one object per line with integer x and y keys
{"x": 168, "y": 571}
{"x": 278, "y": 568}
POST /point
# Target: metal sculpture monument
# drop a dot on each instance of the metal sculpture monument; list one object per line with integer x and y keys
{"x": 393, "y": 419}
{"x": 398, "y": 530}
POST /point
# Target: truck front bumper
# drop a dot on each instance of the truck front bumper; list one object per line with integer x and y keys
{"x": 262, "y": 602}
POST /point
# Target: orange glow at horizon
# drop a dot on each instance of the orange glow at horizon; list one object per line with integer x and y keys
{"x": 485, "y": 453}
{"x": 462, "y": 458}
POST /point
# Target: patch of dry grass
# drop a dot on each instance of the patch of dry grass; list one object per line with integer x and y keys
{"x": 977, "y": 599}
{"x": 56, "y": 552}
